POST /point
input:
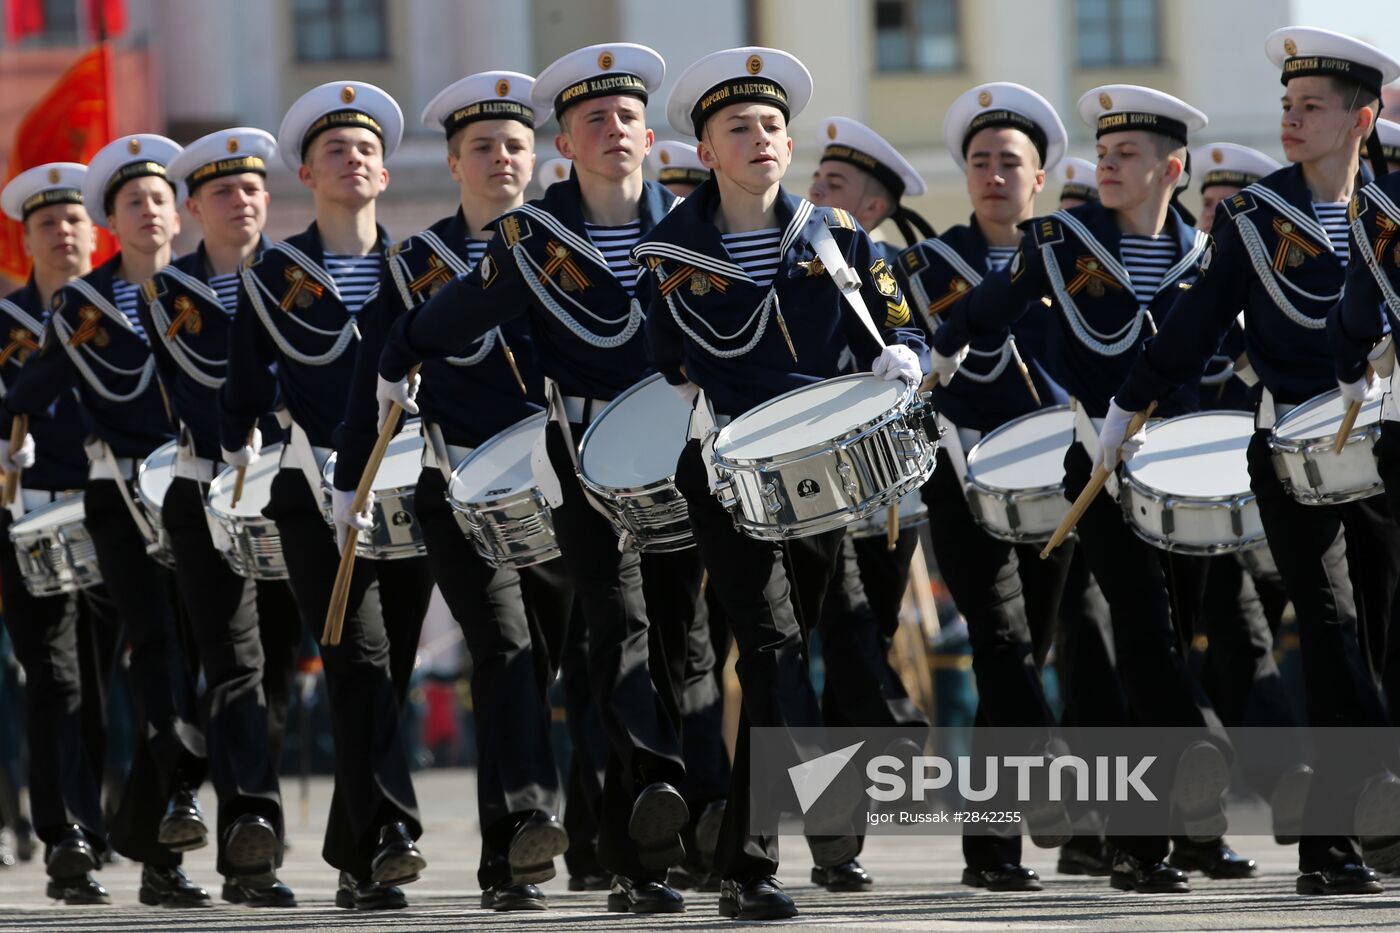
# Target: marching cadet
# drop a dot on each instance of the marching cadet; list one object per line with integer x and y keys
{"x": 63, "y": 778}
{"x": 1279, "y": 252}
{"x": 862, "y": 174}
{"x": 1225, "y": 168}
{"x": 1078, "y": 182}
{"x": 742, "y": 231}
{"x": 1006, "y": 138}
{"x": 513, "y": 621}
{"x": 297, "y": 307}
{"x": 677, "y": 167}
{"x": 1111, "y": 265}
{"x": 564, "y": 260}
{"x": 94, "y": 341}
{"x": 1388, "y": 134}
{"x": 186, "y": 310}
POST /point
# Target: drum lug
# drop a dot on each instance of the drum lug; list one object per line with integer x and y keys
{"x": 771, "y": 501}
{"x": 844, "y": 471}
{"x": 724, "y": 492}
{"x": 908, "y": 441}
{"x": 1168, "y": 517}
{"x": 1313, "y": 473}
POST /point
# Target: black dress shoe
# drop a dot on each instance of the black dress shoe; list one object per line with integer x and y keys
{"x": 1008, "y": 877}
{"x": 848, "y": 876}
{"x": 169, "y": 887}
{"x": 258, "y": 892}
{"x": 589, "y": 883}
{"x": 1198, "y": 788}
{"x": 1085, "y": 855}
{"x": 514, "y": 896}
{"x": 644, "y": 897}
{"x": 1340, "y": 879}
{"x": 658, "y": 816}
{"x": 183, "y": 827}
{"x": 707, "y": 830}
{"x": 397, "y": 860}
{"x": 759, "y": 899}
{"x": 1134, "y": 874}
{"x": 250, "y": 847}
{"x": 81, "y": 889}
{"x": 533, "y": 848}
{"x": 1216, "y": 860}
{"x": 354, "y": 894}
{"x": 72, "y": 856}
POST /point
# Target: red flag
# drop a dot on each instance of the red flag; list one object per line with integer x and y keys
{"x": 23, "y": 18}
{"x": 106, "y": 18}
{"x": 68, "y": 124}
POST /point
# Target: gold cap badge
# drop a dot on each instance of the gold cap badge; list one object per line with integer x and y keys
{"x": 1290, "y": 46}
{"x": 1105, "y": 101}
{"x": 831, "y": 131}
{"x": 232, "y": 144}
{"x": 1217, "y": 156}
{"x": 984, "y": 99}
{"x": 133, "y": 146}
{"x": 1069, "y": 172}
{"x": 665, "y": 157}
{"x": 53, "y": 176}
{"x": 755, "y": 64}
{"x": 347, "y": 94}
{"x": 605, "y": 61}
{"x": 502, "y": 87}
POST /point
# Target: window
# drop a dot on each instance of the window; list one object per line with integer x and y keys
{"x": 55, "y": 25}
{"x": 917, "y": 35}
{"x": 339, "y": 30}
{"x": 1117, "y": 32}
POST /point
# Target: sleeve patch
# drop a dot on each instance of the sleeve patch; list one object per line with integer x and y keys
{"x": 1047, "y": 231}
{"x": 514, "y": 229}
{"x": 487, "y": 269}
{"x": 884, "y": 279}
{"x": 912, "y": 260}
{"x": 1241, "y": 203}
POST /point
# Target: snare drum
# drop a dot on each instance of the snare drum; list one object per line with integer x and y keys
{"x": 824, "y": 456}
{"x": 152, "y": 483}
{"x": 1302, "y": 444}
{"x": 627, "y": 458}
{"x": 494, "y": 487}
{"x": 257, "y": 548}
{"x": 1187, "y": 490}
{"x": 395, "y": 534}
{"x": 912, "y": 514}
{"x": 1015, "y": 480}
{"x": 56, "y": 554}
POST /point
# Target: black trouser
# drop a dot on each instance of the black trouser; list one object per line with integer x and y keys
{"x": 64, "y": 779}
{"x": 769, "y": 603}
{"x": 985, "y": 578}
{"x": 642, "y": 720}
{"x": 372, "y": 783}
{"x": 223, "y": 610}
{"x": 169, "y": 745}
{"x": 588, "y": 743}
{"x": 510, "y": 620}
{"x": 1154, "y": 599}
{"x": 279, "y": 631}
{"x": 1309, "y": 545}
{"x": 683, "y": 661}
{"x": 884, "y": 575}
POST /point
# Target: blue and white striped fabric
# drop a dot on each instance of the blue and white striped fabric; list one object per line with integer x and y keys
{"x": 1147, "y": 259}
{"x": 1333, "y": 217}
{"x": 475, "y": 250}
{"x": 615, "y": 243}
{"x": 226, "y": 287}
{"x": 355, "y": 276}
{"x": 124, "y": 296}
{"x": 999, "y": 256}
{"x": 756, "y": 252}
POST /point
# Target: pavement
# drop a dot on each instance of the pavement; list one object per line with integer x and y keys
{"x": 916, "y": 890}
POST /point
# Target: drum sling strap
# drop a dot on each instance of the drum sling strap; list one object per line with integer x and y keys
{"x": 542, "y": 470}
{"x": 1087, "y": 436}
{"x": 98, "y": 449}
{"x": 303, "y": 454}
{"x": 847, "y": 281}
{"x": 439, "y": 447}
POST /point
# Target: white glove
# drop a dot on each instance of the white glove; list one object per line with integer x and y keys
{"x": 688, "y": 391}
{"x": 342, "y": 500}
{"x": 1361, "y": 391}
{"x": 897, "y": 361}
{"x": 1114, "y": 443}
{"x": 248, "y": 454}
{"x": 399, "y": 393}
{"x": 23, "y": 457}
{"x": 945, "y": 367}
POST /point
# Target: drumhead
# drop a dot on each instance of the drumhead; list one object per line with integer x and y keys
{"x": 63, "y": 512}
{"x": 808, "y": 416}
{"x": 1197, "y": 456}
{"x": 257, "y": 486}
{"x": 157, "y": 472}
{"x": 637, "y": 440}
{"x": 402, "y": 463}
{"x": 499, "y": 467}
{"x": 1319, "y": 418}
{"x": 1025, "y": 453}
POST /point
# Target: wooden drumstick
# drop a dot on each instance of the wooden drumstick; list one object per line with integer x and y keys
{"x": 1091, "y": 491}
{"x": 1349, "y": 419}
{"x": 18, "y": 429}
{"x": 892, "y": 527}
{"x": 241, "y": 475}
{"x": 340, "y": 592}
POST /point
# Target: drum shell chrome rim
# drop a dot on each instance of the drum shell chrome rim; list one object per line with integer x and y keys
{"x": 872, "y": 527}
{"x": 78, "y": 568}
{"x": 988, "y": 502}
{"x": 743, "y": 490}
{"x": 1238, "y": 504}
{"x": 257, "y": 546}
{"x": 632, "y": 506}
{"x": 1358, "y": 453}
{"x": 164, "y": 551}
{"x": 383, "y": 541}
{"x": 490, "y": 523}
